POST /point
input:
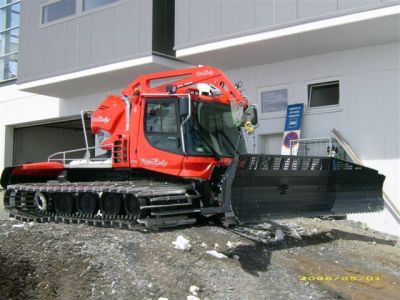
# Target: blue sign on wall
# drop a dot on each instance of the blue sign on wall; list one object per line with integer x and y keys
{"x": 294, "y": 117}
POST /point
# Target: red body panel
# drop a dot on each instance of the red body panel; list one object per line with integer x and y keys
{"x": 40, "y": 168}
{"x": 201, "y": 167}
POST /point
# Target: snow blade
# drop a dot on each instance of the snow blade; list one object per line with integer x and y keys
{"x": 275, "y": 186}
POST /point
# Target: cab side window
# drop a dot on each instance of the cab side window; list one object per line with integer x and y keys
{"x": 162, "y": 125}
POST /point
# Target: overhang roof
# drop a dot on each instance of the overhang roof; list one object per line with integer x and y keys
{"x": 99, "y": 79}
{"x": 327, "y": 35}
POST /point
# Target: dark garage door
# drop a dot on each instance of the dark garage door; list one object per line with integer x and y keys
{"x": 36, "y": 143}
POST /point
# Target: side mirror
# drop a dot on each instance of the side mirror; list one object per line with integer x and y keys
{"x": 252, "y": 113}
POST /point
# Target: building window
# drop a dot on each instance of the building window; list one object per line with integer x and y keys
{"x": 58, "y": 10}
{"x": 275, "y": 100}
{"x": 323, "y": 94}
{"x": 92, "y": 4}
{"x": 9, "y": 38}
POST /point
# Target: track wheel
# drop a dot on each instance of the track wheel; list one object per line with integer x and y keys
{"x": 41, "y": 202}
{"x": 111, "y": 203}
{"x": 87, "y": 203}
{"x": 132, "y": 206}
{"x": 7, "y": 198}
{"x": 64, "y": 203}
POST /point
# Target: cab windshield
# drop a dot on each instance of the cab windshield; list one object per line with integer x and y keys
{"x": 212, "y": 132}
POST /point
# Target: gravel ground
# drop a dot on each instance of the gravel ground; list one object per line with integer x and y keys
{"x": 287, "y": 259}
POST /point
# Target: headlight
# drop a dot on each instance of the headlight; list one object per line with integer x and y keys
{"x": 102, "y": 135}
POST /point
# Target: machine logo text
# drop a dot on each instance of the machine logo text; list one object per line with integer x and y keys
{"x": 154, "y": 162}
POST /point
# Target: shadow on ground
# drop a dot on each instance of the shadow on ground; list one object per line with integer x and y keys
{"x": 257, "y": 257}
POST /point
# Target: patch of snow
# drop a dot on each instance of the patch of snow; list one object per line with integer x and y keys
{"x": 31, "y": 223}
{"x": 233, "y": 245}
{"x": 295, "y": 234}
{"x": 279, "y": 235}
{"x": 266, "y": 225}
{"x": 18, "y": 225}
{"x": 236, "y": 257}
{"x": 216, "y": 246}
{"x": 230, "y": 245}
{"x": 262, "y": 234}
{"x": 12, "y": 219}
{"x": 90, "y": 162}
{"x": 182, "y": 244}
{"x": 194, "y": 289}
{"x": 203, "y": 245}
{"x": 191, "y": 297}
{"x": 329, "y": 235}
{"x": 162, "y": 298}
{"x": 216, "y": 254}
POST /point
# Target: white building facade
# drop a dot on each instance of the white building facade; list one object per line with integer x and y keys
{"x": 71, "y": 57}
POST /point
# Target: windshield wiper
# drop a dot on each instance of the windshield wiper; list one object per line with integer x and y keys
{"x": 208, "y": 144}
{"x": 235, "y": 151}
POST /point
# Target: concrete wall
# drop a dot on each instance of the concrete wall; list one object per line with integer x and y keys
{"x": 368, "y": 114}
{"x": 200, "y": 21}
{"x": 87, "y": 39}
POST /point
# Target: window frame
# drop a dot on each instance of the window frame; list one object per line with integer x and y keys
{"x": 57, "y": 21}
{"x": 8, "y": 30}
{"x": 276, "y": 114}
{"x": 9, "y": 55}
{"x": 4, "y": 7}
{"x": 326, "y": 108}
{"x": 8, "y": 4}
{"x": 78, "y": 11}
{"x": 176, "y": 134}
{"x": 99, "y": 8}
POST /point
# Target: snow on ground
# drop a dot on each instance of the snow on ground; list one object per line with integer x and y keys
{"x": 18, "y": 225}
{"x": 194, "y": 289}
{"x": 216, "y": 254}
{"x": 279, "y": 235}
{"x": 182, "y": 243}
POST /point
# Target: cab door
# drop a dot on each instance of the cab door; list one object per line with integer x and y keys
{"x": 160, "y": 147}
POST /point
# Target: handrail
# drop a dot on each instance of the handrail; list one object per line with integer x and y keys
{"x": 64, "y": 159}
{"x": 393, "y": 209}
{"x": 83, "y": 113}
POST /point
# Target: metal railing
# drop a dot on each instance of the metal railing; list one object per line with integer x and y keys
{"x": 64, "y": 159}
{"x": 325, "y": 146}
